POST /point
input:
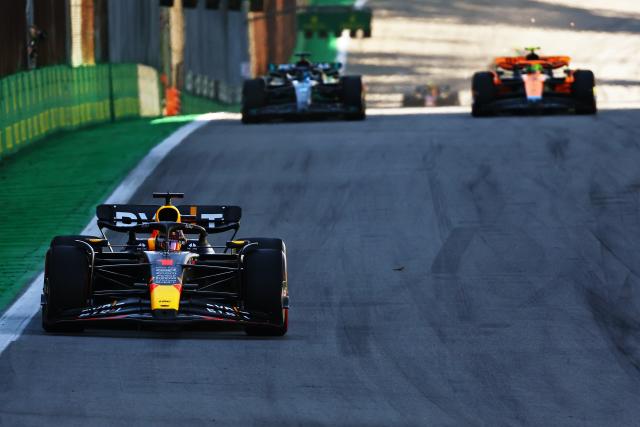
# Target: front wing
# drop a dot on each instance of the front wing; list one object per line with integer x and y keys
{"x": 291, "y": 110}
{"x": 515, "y": 105}
{"x": 138, "y": 310}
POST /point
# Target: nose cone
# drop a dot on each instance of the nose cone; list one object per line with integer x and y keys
{"x": 165, "y": 297}
{"x": 534, "y": 86}
{"x": 303, "y": 95}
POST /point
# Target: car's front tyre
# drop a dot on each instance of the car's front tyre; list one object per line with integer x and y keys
{"x": 66, "y": 285}
{"x": 265, "y": 287}
{"x": 254, "y": 96}
{"x": 484, "y": 93}
{"x": 353, "y": 94}
{"x": 583, "y": 93}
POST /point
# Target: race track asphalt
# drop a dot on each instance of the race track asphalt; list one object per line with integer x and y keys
{"x": 443, "y": 270}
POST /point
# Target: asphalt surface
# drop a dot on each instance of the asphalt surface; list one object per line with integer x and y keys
{"x": 443, "y": 271}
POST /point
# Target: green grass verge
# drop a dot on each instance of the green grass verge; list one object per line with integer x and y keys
{"x": 191, "y": 104}
{"x": 52, "y": 188}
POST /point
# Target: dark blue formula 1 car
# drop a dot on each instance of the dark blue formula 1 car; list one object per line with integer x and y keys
{"x": 167, "y": 272}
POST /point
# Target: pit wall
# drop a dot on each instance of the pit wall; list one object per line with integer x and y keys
{"x": 37, "y": 103}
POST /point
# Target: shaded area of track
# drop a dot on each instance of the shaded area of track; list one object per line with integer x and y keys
{"x": 443, "y": 271}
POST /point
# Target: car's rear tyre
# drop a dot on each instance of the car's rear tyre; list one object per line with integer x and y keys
{"x": 452, "y": 99}
{"x": 583, "y": 92}
{"x": 484, "y": 93}
{"x": 73, "y": 241}
{"x": 66, "y": 285}
{"x": 353, "y": 93}
{"x": 265, "y": 288}
{"x": 267, "y": 243}
{"x": 254, "y": 95}
{"x": 413, "y": 100}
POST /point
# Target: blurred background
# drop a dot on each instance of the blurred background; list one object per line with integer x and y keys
{"x": 99, "y": 60}
{"x": 69, "y": 63}
{"x": 446, "y": 41}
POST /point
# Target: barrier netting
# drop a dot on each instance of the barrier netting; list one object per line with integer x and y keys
{"x": 37, "y": 103}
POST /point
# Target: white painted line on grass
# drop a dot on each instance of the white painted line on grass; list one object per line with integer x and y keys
{"x": 18, "y": 316}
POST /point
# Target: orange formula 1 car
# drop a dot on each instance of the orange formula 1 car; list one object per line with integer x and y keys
{"x": 533, "y": 83}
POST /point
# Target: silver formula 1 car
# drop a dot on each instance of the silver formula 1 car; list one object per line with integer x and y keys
{"x": 303, "y": 90}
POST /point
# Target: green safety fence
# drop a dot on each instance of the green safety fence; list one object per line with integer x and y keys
{"x": 125, "y": 90}
{"x": 37, "y": 103}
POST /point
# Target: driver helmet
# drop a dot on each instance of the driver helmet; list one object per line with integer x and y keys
{"x": 174, "y": 241}
{"x": 534, "y": 68}
{"x": 532, "y": 56}
{"x": 303, "y": 63}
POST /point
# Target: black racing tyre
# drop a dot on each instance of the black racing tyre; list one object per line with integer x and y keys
{"x": 484, "y": 93}
{"x": 254, "y": 95}
{"x": 72, "y": 240}
{"x": 412, "y": 100}
{"x": 264, "y": 283}
{"x": 66, "y": 285}
{"x": 583, "y": 92}
{"x": 353, "y": 95}
{"x": 267, "y": 243}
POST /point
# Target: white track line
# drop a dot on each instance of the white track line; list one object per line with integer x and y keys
{"x": 18, "y": 316}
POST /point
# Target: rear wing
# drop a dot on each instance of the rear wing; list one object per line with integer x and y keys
{"x": 214, "y": 218}
{"x": 510, "y": 62}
